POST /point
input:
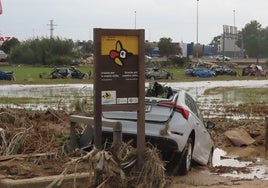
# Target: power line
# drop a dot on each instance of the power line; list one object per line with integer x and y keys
{"x": 51, "y": 26}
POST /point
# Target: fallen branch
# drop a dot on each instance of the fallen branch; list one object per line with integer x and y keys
{"x": 10, "y": 157}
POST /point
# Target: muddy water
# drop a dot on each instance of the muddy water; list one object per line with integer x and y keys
{"x": 240, "y": 169}
{"x": 210, "y": 95}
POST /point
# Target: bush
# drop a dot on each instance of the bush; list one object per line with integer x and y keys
{"x": 61, "y": 60}
{"x": 179, "y": 61}
{"x": 43, "y": 52}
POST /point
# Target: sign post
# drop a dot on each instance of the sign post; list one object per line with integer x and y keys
{"x": 119, "y": 80}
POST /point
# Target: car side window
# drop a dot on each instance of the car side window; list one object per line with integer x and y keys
{"x": 192, "y": 105}
{"x": 189, "y": 103}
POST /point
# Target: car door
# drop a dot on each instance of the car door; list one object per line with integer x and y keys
{"x": 203, "y": 142}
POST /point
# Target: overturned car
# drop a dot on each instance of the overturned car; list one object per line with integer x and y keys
{"x": 200, "y": 72}
{"x": 157, "y": 73}
{"x": 253, "y": 70}
{"x": 68, "y": 73}
{"x": 223, "y": 70}
{"x": 7, "y": 75}
{"x": 173, "y": 123}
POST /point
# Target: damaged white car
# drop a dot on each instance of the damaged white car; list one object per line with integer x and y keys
{"x": 173, "y": 123}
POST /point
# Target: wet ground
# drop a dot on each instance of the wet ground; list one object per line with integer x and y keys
{"x": 211, "y": 96}
{"x": 230, "y": 104}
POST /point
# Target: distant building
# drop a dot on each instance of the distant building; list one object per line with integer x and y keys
{"x": 209, "y": 50}
{"x": 229, "y": 48}
{"x": 228, "y": 40}
{"x": 155, "y": 51}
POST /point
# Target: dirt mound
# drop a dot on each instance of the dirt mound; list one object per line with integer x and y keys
{"x": 255, "y": 128}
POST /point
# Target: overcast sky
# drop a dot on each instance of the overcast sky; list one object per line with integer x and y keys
{"x": 177, "y": 19}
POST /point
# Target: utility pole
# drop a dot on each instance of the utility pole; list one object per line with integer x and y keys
{"x": 197, "y": 45}
{"x": 234, "y": 35}
{"x": 51, "y": 26}
{"x": 135, "y": 19}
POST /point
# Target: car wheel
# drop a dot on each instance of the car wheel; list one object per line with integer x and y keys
{"x": 152, "y": 78}
{"x": 186, "y": 158}
{"x": 169, "y": 77}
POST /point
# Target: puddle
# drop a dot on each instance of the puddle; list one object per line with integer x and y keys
{"x": 220, "y": 159}
{"x": 239, "y": 169}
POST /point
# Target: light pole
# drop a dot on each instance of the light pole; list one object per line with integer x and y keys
{"x": 197, "y": 22}
{"x": 234, "y": 34}
{"x": 197, "y": 31}
{"x": 234, "y": 17}
{"x": 135, "y": 19}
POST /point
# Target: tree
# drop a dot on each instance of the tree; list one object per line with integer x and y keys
{"x": 216, "y": 42}
{"x": 251, "y": 35}
{"x": 148, "y": 48}
{"x": 43, "y": 51}
{"x": 166, "y": 47}
{"x": 7, "y": 46}
{"x": 265, "y": 41}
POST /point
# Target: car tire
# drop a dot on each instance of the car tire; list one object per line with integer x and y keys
{"x": 169, "y": 77}
{"x": 186, "y": 158}
{"x": 152, "y": 78}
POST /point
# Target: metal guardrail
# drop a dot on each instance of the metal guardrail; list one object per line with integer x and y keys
{"x": 89, "y": 121}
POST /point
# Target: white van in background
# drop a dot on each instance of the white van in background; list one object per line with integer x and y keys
{"x": 3, "y": 56}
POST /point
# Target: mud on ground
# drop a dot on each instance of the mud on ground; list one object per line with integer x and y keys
{"x": 46, "y": 133}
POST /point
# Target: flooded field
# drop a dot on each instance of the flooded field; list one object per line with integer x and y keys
{"x": 212, "y": 96}
{"x": 39, "y": 97}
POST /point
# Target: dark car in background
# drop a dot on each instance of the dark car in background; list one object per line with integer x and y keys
{"x": 71, "y": 72}
{"x": 223, "y": 70}
{"x": 157, "y": 73}
{"x": 7, "y": 75}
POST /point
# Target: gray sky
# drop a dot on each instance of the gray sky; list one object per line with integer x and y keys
{"x": 177, "y": 19}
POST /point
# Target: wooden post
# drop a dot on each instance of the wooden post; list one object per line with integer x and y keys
{"x": 266, "y": 137}
{"x": 117, "y": 137}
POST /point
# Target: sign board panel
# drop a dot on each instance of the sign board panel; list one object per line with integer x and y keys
{"x": 119, "y": 69}
{"x": 119, "y": 78}
{"x": 119, "y": 58}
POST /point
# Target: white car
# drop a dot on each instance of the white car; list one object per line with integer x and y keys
{"x": 3, "y": 56}
{"x": 157, "y": 73}
{"x": 174, "y": 124}
{"x": 221, "y": 57}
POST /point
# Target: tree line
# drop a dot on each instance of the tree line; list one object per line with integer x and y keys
{"x": 55, "y": 51}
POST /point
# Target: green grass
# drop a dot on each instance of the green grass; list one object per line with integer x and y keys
{"x": 30, "y": 75}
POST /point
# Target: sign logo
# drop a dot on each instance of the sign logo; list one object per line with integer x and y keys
{"x": 119, "y": 54}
